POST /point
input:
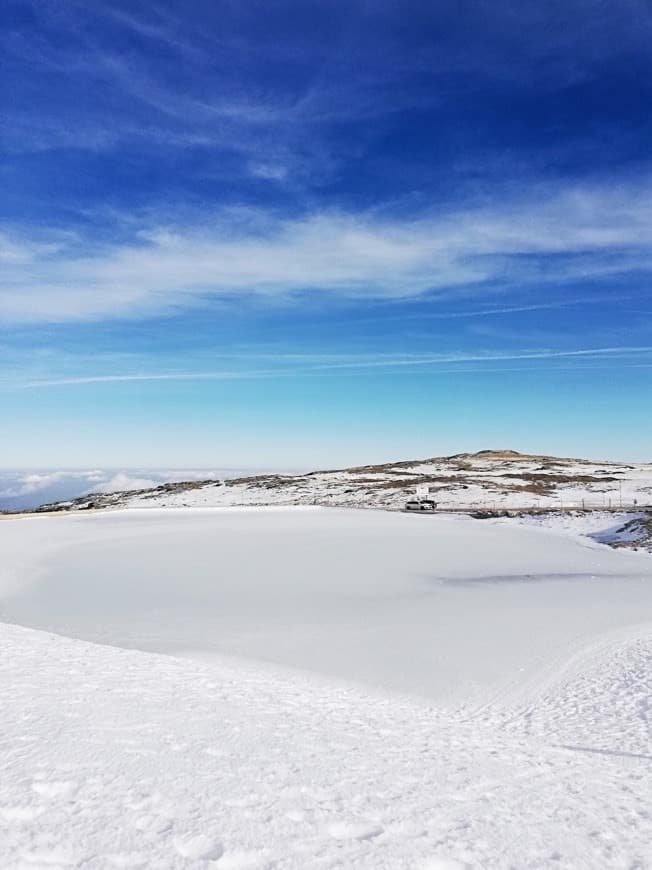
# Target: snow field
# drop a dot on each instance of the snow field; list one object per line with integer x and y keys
{"x": 116, "y": 758}
{"x": 447, "y": 607}
{"x": 525, "y": 742}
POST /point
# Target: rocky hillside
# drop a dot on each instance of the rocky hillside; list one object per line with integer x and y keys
{"x": 488, "y": 481}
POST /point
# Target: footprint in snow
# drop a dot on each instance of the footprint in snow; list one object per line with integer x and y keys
{"x": 55, "y": 789}
{"x": 198, "y": 846}
{"x": 50, "y": 858}
{"x": 131, "y": 860}
{"x": 241, "y": 860}
{"x": 20, "y": 813}
{"x": 354, "y": 830}
{"x": 154, "y": 824}
{"x": 443, "y": 863}
{"x": 243, "y": 803}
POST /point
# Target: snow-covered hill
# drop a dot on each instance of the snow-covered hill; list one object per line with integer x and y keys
{"x": 489, "y": 480}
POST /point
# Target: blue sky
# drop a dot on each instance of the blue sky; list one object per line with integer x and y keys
{"x": 311, "y": 234}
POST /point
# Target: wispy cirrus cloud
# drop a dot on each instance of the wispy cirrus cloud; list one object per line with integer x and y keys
{"x": 577, "y": 234}
{"x": 351, "y": 70}
{"x": 306, "y": 364}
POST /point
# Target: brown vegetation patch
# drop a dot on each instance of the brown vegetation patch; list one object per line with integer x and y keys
{"x": 547, "y": 479}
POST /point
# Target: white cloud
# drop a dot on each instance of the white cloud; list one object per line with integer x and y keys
{"x": 589, "y": 233}
{"x": 36, "y": 481}
{"x": 270, "y": 171}
{"x": 31, "y": 483}
{"x": 18, "y": 252}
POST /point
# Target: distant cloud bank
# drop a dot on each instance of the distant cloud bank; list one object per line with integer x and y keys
{"x": 22, "y": 490}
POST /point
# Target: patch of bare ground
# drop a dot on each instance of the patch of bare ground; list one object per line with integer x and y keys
{"x": 371, "y": 481}
{"x": 456, "y": 461}
{"x": 547, "y": 479}
{"x": 534, "y": 488}
{"x": 382, "y": 468}
{"x": 509, "y": 456}
{"x": 267, "y": 481}
{"x": 166, "y": 488}
{"x": 409, "y": 482}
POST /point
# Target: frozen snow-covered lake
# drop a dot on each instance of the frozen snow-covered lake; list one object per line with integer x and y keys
{"x": 531, "y": 748}
{"x": 449, "y": 607}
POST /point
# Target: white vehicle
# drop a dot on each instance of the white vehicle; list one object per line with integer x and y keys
{"x": 421, "y": 504}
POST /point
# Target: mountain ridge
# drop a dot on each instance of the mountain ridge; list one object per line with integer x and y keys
{"x": 489, "y": 479}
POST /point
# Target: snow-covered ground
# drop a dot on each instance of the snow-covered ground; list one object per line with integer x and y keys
{"x": 445, "y": 606}
{"x": 119, "y": 759}
{"x": 631, "y": 529}
{"x": 351, "y": 689}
